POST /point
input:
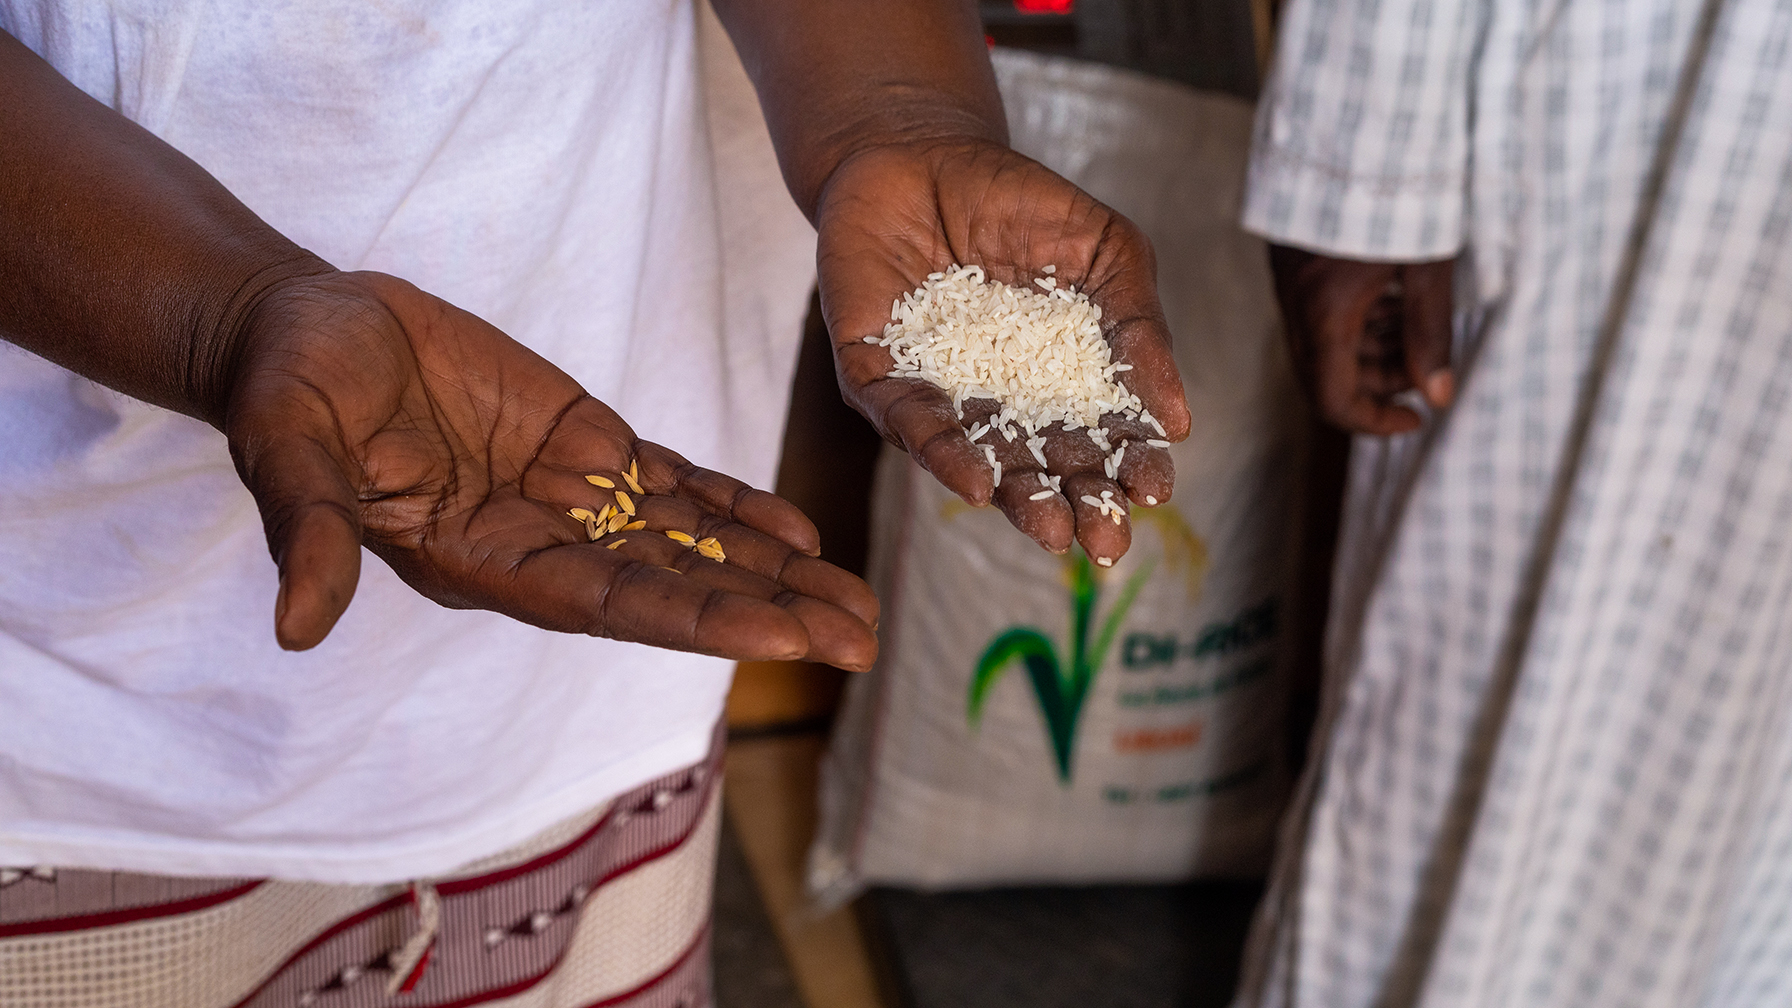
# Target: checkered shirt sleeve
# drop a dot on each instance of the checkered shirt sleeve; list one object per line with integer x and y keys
{"x": 1362, "y": 142}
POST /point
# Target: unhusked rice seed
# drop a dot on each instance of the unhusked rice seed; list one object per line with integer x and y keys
{"x": 633, "y": 484}
{"x": 1043, "y": 494}
{"x": 623, "y": 502}
{"x": 615, "y": 544}
{"x": 580, "y": 514}
{"x": 680, "y": 537}
{"x": 617, "y": 520}
{"x": 634, "y": 525}
{"x": 609, "y": 511}
{"x": 599, "y": 481}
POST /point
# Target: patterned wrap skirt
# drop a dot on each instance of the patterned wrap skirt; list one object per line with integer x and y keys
{"x": 609, "y": 908}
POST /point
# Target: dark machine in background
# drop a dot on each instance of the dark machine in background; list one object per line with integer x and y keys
{"x": 1208, "y": 44}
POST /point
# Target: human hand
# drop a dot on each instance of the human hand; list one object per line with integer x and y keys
{"x": 362, "y": 410}
{"x": 891, "y": 214}
{"x": 1362, "y": 333}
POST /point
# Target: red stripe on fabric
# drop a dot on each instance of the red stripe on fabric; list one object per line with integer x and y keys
{"x": 457, "y": 886}
{"x": 677, "y": 964}
{"x": 534, "y": 864}
{"x": 110, "y": 918}
{"x": 520, "y": 985}
{"x": 359, "y": 916}
{"x": 523, "y": 985}
{"x": 410, "y": 982}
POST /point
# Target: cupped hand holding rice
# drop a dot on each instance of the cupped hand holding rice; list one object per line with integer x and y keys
{"x": 1038, "y": 375}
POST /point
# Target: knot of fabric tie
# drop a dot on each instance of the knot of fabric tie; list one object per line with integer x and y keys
{"x": 412, "y": 958}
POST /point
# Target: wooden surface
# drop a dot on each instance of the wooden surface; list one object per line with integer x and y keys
{"x": 1263, "y": 31}
{"x": 777, "y": 694}
{"x": 770, "y": 798}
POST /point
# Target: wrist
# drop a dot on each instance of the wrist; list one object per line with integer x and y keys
{"x": 223, "y": 333}
{"x": 903, "y": 118}
{"x": 920, "y": 144}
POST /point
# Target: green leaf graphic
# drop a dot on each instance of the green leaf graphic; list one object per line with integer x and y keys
{"x": 1112, "y": 625}
{"x": 1016, "y": 642}
{"x": 1061, "y": 690}
{"x": 1060, "y": 696}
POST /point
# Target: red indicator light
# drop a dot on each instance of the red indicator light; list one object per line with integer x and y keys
{"x": 1044, "y": 6}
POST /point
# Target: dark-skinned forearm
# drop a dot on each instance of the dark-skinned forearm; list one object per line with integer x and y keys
{"x": 836, "y": 76}
{"x": 120, "y": 258}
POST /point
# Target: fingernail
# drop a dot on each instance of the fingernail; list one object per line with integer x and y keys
{"x": 1440, "y": 387}
{"x": 1150, "y": 501}
{"x": 1105, "y": 561}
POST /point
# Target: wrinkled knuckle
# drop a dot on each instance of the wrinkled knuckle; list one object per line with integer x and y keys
{"x": 940, "y": 441}
{"x": 790, "y": 557}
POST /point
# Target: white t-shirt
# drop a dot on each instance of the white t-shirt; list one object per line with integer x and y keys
{"x": 546, "y": 165}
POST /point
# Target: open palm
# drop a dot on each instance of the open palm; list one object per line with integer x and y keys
{"x": 367, "y": 412}
{"x": 891, "y": 215}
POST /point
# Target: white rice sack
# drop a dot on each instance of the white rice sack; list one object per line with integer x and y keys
{"x": 1037, "y": 719}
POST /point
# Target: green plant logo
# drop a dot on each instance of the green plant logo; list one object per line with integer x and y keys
{"x": 1062, "y": 685}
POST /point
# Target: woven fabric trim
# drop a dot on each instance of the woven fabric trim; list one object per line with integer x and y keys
{"x": 47, "y": 923}
{"x": 636, "y": 873}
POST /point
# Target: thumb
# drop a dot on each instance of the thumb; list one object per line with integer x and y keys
{"x": 312, "y": 517}
{"x": 1426, "y": 311}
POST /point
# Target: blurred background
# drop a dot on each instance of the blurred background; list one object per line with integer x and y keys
{"x": 1088, "y": 820}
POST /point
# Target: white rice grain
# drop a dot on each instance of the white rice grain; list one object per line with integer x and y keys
{"x": 1040, "y": 355}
